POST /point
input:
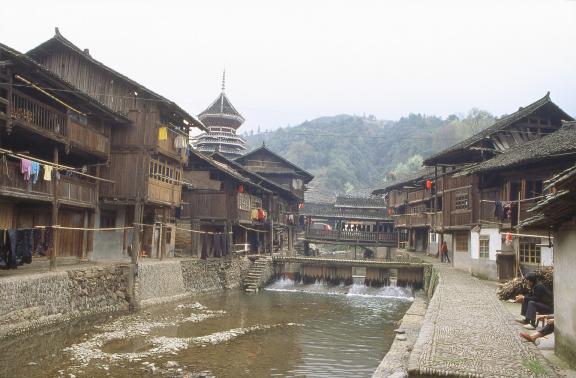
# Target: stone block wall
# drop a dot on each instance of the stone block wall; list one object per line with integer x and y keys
{"x": 210, "y": 275}
{"x": 33, "y": 300}
{"x": 159, "y": 281}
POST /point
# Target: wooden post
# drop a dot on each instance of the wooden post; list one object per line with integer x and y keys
{"x": 271, "y": 236}
{"x": 9, "y": 99}
{"x": 229, "y": 237}
{"x": 85, "y": 235}
{"x": 162, "y": 241}
{"x": 518, "y": 271}
{"x": 194, "y": 237}
{"x": 55, "y": 230}
{"x": 133, "y": 271}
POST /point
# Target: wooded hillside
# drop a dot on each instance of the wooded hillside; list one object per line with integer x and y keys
{"x": 353, "y": 154}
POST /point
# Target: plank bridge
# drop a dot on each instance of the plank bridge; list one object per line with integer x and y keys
{"x": 407, "y": 271}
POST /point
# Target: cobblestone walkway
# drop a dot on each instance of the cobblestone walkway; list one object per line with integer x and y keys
{"x": 467, "y": 332}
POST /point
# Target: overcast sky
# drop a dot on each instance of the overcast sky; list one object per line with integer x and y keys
{"x": 289, "y": 61}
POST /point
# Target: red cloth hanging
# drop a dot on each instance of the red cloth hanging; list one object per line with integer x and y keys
{"x": 240, "y": 188}
{"x": 428, "y": 184}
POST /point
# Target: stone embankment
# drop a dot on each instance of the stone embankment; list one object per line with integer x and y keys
{"x": 34, "y": 300}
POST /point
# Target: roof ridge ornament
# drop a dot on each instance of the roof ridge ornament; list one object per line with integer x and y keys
{"x": 223, "y": 80}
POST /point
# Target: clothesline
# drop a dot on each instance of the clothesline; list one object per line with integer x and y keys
{"x": 513, "y": 201}
{"x": 15, "y": 155}
{"x": 202, "y": 232}
{"x": 252, "y": 229}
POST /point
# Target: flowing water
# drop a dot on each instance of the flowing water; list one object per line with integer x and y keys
{"x": 288, "y": 329}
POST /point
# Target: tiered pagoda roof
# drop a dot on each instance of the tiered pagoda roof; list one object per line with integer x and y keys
{"x": 222, "y": 120}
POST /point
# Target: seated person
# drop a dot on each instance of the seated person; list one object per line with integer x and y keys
{"x": 538, "y": 300}
{"x": 546, "y": 330}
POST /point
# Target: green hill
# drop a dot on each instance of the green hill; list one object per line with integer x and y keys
{"x": 352, "y": 154}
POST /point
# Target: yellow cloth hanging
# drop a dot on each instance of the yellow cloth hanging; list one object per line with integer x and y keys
{"x": 47, "y": 173}
{"x": 163, "y": 133}
{"x": 254, "y": 214}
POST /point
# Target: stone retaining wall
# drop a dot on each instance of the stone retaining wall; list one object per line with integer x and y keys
{"x": 37, "y": 299}
{"x": 34, "y": 300}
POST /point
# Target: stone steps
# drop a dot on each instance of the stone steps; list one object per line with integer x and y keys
{"x": 253, "y": 276}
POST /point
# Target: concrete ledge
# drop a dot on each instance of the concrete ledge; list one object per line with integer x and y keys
{"x": 395, "y": 363}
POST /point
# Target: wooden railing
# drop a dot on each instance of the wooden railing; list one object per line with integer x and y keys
{"x": 34, "y": 113}
{"x": 71, "y": 190}
{"x": 360, "y": 236}
{"x": 164, "y": 192}
{"x": 412, "y": 220}
{"x": 86, "y": 138}
{"x": 419, "y": 195}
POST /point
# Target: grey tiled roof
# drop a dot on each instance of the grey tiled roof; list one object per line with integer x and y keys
{"x": 556, "y": 144}
{"x": 502, "y": 124}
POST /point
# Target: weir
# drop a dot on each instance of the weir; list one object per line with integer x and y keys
{"x": 410, "y": 273}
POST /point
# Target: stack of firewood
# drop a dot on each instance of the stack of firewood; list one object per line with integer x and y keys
{"x": 512, "y": 288}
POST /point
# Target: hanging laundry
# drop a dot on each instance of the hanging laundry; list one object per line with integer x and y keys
{"x": 34, "y": 171}
{"x": 498, "y": 211}
{"x": 25, "y": 168}
{"x": 224, "y": 243}
{"x": 204, "y": 252}
{"x": 3, "y": 250}
{"x": 217, "y": 240}
{"x": 163, "y": 133}
{"x": 47, "y": 173}
{"x": 180, "y": 142}
{"x": 254, "y": 214}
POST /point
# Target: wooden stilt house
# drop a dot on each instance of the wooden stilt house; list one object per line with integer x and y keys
{"x": 146, "y": 160}
{"x": 54, "y": 140}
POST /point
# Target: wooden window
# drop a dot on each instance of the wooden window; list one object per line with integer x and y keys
{"x": 484, "y": 246}
{"x": 461, "y": 201}
{"x": 461, "y": 242}
{"x": 530, "y": 251}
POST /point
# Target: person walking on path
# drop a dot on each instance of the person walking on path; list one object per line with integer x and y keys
{"x": 444, "y": 253}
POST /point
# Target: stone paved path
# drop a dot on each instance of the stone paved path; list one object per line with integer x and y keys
{"x": 467, "y": 332}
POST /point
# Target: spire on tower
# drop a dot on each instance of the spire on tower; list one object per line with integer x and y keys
{"x": 223, "y": 80}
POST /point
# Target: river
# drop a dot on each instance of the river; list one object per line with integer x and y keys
{"x": 288, "y": 329}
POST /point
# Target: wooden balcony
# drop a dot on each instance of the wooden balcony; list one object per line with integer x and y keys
{"x": 419, "y": 195}
{"x": 40, "y": 118}
{"x": 166, "y": 147}
{"x": 71, "y": 190}
{"x": 412, "y": 220}
{"x": 353, "y": 236}
{"x": 87, "y": 139}
{"x": 164, "y": 192}
{"x": 44, "y": 119}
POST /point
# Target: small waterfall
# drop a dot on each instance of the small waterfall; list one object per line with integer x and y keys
{"x": 356, "y": 289}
